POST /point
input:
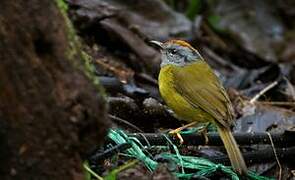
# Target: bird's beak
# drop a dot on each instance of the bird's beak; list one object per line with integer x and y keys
{"x": 157, "y": 44}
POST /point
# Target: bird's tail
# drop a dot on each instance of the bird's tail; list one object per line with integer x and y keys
{"x": 233, "y": 151}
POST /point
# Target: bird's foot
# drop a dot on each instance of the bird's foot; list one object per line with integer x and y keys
{"x": 204, "y": 132}
{"x": 178, "y": 130}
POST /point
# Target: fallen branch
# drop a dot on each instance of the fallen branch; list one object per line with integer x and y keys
{"x": 280, "y": 139}
{"x": 261, "y": 156}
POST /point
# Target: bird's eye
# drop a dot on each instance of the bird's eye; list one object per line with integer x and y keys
{"x": 172, "y": 51}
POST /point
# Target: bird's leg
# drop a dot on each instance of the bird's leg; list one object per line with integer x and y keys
{"x": 204, "y": 131}
{"x": 176, "y": 131}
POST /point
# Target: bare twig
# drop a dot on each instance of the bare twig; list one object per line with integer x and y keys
{"x": 278, "y": 103}
{"x": 275, "y": 153}
{"x": 115, "y": 118}
{"x": 263, "y": 91}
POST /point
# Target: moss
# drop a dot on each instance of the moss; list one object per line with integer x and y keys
{"x": 73, "y": 40}
{"x": 62, "y": 6}
{"x": 90, "y": 70}
{"x": 75, "y": 51}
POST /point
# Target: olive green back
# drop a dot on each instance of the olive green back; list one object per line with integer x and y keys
{"x": 195, "y": 93}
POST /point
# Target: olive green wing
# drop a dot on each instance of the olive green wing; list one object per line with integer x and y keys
{"x": 198, "y": 84}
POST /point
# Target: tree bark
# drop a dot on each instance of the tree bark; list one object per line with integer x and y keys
{"x": 50, "y": 111}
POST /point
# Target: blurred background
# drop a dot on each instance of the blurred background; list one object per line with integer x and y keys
{"x": 73, "y": 68}
{"x": 250, "y": 44}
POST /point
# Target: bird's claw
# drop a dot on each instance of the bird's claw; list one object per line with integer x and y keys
{"x": 204, "y": 132}
{"x": 178, "y": 135}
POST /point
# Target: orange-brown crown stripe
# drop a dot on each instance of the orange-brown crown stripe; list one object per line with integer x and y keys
{"x": 179, "y": 42}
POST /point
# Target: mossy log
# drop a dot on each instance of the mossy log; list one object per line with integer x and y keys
{"x": 52, "y": 108}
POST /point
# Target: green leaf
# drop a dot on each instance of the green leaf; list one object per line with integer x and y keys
{"x": 89, "y": 172}
{"x": 193, "y": 9}
{"x": 214, "y": 21}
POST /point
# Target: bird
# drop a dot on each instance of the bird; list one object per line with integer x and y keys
{"x": 189, "y": 86}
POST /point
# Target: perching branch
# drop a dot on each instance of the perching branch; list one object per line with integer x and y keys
{"x": 261, "y": 156}
{"x": 285, "y": 139}
{"x": 265, "y": 155}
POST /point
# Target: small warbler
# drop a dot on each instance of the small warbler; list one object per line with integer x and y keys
{"x": 191, "y": 89}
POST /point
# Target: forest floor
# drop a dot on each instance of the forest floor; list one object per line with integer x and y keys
{"x": 251, "y": 48}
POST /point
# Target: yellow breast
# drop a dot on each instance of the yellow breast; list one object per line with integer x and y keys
{"x": 174, "y": 100}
